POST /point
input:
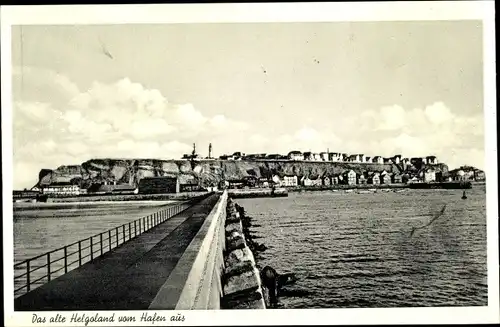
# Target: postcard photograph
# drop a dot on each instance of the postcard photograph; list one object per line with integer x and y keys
{"x": 159, "y": 170}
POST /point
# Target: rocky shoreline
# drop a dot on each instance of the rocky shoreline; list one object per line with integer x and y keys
{"x": 242, "y": 285}
{"x": 247, "y": 285}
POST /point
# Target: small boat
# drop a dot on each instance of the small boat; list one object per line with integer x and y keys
{"x": 364, "y": 192}
{"x": 348, "y": 191}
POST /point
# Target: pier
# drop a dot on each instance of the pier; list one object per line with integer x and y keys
{"x": 175, "y": 262}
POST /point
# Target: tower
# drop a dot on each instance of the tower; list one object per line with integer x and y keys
{"x": 194, "y": 149}
{"x": 210, "y": 151}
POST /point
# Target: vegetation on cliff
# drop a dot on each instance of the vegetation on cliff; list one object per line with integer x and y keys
{"x": 206, "y": 172}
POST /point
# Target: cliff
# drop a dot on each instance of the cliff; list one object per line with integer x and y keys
{"x": 208, "y": 172}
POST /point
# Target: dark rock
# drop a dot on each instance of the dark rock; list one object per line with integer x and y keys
{"x": 238, "y": 269}
{"x": 235, "y": 241}
{"x": 241, "y": 300}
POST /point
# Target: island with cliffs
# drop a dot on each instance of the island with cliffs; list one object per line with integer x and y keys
{"x": 190, "y": 174}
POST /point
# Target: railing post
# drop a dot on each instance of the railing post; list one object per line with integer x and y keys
{"x": 140, "y": 226}
{"x": 65, "y": 259}
{"x": 116, "y": 230}
{"x": 135, "y": 228}
{"x": 91, "y": 248}
{"x": 48, "y": 266}
{"x": 129, "y": 231}
{"x": 100, "y": 241}
{"x": 123, "y": 233}
{"x": 28, "y": 282}
{"x": 109, "y": 239}
{"x": 79, "y": 253}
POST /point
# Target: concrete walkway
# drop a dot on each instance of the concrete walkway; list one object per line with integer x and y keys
{"x": 126, "y": 278}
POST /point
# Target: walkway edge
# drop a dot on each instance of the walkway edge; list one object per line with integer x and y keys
{"x": 181, "y": 289}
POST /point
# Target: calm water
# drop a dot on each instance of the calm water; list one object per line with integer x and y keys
{"x": 355, "y": 250}
{"x": 43, "y": 227}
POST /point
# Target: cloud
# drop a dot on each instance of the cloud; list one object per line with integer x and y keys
{"x": 57, "y": 123}
{"x": 63, "y": 125}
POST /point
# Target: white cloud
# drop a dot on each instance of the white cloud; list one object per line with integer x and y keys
{"x": 392, "y": 118}
{"x": 438, "y": 113}
{"x": 56, "y": 124}
{"x": 123, "y": 119}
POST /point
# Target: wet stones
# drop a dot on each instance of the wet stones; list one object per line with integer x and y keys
{"x": 242, "y": 287}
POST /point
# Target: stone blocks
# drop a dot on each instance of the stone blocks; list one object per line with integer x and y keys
{"x": 242, "y": 286}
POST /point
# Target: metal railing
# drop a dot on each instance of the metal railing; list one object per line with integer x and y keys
{"x": 34, "y": 272}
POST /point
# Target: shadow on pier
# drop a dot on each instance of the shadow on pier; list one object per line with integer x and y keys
{"x": 127, "y": 277}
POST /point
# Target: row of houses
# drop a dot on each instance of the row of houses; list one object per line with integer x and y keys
{"x": 348, "y": 177}
{"x": 333, "y": 157}
{"x": 147, "y": 185}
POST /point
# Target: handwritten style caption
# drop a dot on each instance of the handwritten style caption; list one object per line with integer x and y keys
{"x": 98, "y": 318}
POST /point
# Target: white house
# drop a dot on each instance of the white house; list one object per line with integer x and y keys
{"x": 316, "y": 157}
{"x": 324, "y": 156}
{"x": 290, "y": 180}
{"x": 374, "y": 179}
{"x": 61, "y": 189}
{"x": 334, "y": 156}
{"x": 430, "y": 175}
{"x": 295, "y": 155}
{"x": 378, "y": 159}
{"x": 351, "y": 177}
{"x": 396, "y": 159}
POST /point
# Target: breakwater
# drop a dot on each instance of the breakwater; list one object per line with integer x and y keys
{"x": 129, "y": 197}
{"x": 242, "y": 285}
{"x": 257, "y": 193}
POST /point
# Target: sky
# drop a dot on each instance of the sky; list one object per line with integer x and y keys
{"x": 151, "y": 91}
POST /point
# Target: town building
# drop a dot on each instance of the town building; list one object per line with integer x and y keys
{"x": 397, "y": 178}
{"x": 352, "y": 158}
{"x": 429, "y": 175}
{"x": 106, "y": 188}
{"x": 387, "y": 160}
{"x": 324, "y": 156}
{"x": 276, "y": 179}
{"x": 396, "y": 159}
{"x": 363, "y": 179}
{"x": 351, "y": 177}
{"x": 273, "y": 156}
{"x": 61, "y": 189}
{"x": 24, "y": 195}
{"x": 235, "y": 183}
{"x": 374, "y": 179}
{"x": 263, "y": 182}
{"x": 295, "y": 155}
{"x": 431, "y": 160}
{"x": 385, "y": 178}
{"x": 378, "y": 160}
{"x": 159, "y": 185}
{"x": 316, "y": 157}
{"x": 334, "y": 156}
{"x": 290, "y": 180}
{"x": 308, "y": 156}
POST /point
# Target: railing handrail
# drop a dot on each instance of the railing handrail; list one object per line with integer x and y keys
{"x": 99, "y": 248}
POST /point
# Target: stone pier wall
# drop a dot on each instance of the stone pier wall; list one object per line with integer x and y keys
{"x": 242, "y": 286}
